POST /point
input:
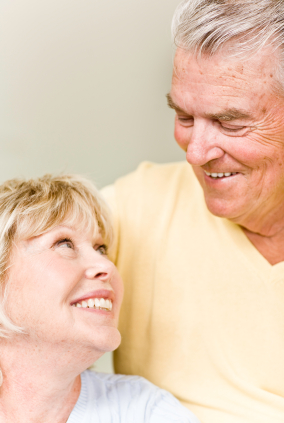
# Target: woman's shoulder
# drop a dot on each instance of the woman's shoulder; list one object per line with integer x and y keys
{"x": 122, "y": 385}
{"x": 133, "y": 397}
{"x": 115, "y": 379}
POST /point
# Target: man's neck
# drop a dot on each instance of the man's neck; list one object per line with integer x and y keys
{"x": 265, "y": 230}
{"x": 270, "y": 247}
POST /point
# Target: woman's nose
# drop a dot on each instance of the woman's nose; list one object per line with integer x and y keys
{"x": 101, "y": 268}
{"x": 203, "y": 145}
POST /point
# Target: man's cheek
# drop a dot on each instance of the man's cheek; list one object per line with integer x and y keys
{"x": 181, "y": 136}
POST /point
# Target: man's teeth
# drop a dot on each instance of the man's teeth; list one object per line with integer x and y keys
{"x": 220, "y": 175}
{"x": 96, "y": 303}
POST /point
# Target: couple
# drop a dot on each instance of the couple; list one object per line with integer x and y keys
{"x": 200, "y": 249}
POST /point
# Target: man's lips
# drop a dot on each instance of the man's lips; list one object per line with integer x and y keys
{"x": 219, "y": 174}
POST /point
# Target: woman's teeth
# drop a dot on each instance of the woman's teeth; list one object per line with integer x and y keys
{"x": 96, "y": 303}
{"x": 220, "y": 175}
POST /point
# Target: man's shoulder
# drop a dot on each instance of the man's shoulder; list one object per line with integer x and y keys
{"x": 152, "y": 180}
{"x": 154, "y": 193}
{"x": 149, "y": 171}
{"x": 163, "y": 168}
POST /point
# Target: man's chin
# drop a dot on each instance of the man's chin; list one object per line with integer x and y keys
{"x": 222, "y": 208}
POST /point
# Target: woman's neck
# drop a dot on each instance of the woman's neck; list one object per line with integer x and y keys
{"x": 18, "y": 405}
{"x": 39, "y": 385}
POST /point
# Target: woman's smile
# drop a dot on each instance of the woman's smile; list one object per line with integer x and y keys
{"x": 68, "y": 267}
{"x": 100, "y": 300}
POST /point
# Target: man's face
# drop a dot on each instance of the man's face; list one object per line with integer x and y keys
{"x": 230, "y": 123}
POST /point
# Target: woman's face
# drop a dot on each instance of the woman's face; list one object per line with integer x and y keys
{"x": 51, "y": 280}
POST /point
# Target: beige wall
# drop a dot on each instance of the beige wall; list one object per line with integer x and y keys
{"x": 82, "y": 87}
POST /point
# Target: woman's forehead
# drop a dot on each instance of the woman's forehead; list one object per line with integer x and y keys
{"x": 81, "y": 226}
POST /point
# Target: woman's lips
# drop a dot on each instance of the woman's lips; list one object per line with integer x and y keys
{"x": 98, "y": 300}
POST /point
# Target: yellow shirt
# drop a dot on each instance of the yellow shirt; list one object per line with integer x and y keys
{"x": 203, "y": 312}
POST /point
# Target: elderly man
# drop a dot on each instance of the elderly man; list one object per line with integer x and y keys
{"x": 200, "y": 245}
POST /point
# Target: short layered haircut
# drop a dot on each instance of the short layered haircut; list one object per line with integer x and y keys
{"x": 207, "y": 25}
{"x": 240, "y": 28}
{"x": 31, "y": 207}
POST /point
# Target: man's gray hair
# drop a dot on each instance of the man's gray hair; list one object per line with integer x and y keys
{"x": 244, "y": 26}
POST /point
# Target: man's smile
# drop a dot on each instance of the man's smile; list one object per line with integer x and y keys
{"x": 215, "y": 175}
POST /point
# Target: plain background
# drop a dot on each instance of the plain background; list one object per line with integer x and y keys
{"x": 82, "y": 88}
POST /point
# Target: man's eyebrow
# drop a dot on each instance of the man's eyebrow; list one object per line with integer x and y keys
{"x": 225, "y": 115}
{"x": 229, "y": 115}
{"x": 173, "y": 105}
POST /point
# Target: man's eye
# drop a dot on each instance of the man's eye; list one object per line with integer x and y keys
{"x": 185, "y": 120}
{"x": 102, "y": 249}
{"x": 236, "y": 129}
{"x": 66, "y": 242}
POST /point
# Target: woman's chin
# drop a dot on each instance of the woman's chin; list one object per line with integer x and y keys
{"x": 109, "y": 341}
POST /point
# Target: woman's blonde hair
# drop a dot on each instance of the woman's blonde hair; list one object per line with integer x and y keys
{"x": 31, "y": 207}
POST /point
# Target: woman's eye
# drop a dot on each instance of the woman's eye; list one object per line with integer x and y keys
{"x": 65, "y": 243}
{"x": 102, "y": 249}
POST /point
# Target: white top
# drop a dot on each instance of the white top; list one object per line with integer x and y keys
{"x": 108, "y": 398}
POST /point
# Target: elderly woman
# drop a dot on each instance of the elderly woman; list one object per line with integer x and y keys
{"x": 61, "y": 297}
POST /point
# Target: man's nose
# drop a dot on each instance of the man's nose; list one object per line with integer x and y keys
{"x": 204, "y": 144}
{"x": 101, "y": 268}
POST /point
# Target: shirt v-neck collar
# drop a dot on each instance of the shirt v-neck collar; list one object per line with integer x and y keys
{"x": 265, "y": 270}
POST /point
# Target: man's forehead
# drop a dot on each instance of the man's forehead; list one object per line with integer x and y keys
{"x": 189, "y": 65}
{"x": 226, "y": 90}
